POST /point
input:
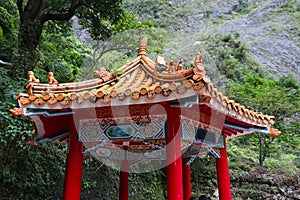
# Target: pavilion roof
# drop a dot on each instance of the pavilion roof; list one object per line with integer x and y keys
{"x": 140, "y": 81}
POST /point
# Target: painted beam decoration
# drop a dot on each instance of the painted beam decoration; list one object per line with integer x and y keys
{"x": 95, "y": 131}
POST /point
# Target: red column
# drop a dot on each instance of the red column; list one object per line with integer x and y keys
{"x": 174, "y": 169}
{"x": 223, "y": 175}
{"x": 73, "y": 174}
{"x": 186, "y": 170}
{"x": 123, "y": 187}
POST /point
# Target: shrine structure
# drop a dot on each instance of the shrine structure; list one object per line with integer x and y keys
{"x": 150, "y": 111}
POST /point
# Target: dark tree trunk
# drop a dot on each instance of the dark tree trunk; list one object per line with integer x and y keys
{"x": 33, "y": 15}
{"x": 28, "y": 40}
{"x": 261, "y": 149}
{"x": 30, "y": 30}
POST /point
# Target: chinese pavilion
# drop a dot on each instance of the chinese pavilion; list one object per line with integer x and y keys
{"x": 150, "y": 111}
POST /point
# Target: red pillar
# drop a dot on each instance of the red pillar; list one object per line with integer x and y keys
{"x": 174, "y": 169}
{"x": 223, "y": 175}
{"x": 123, "y": 187}
{"x": 73, "y": 174}
{"x": 186, "y": 170}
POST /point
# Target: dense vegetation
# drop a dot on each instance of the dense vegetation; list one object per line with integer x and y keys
{"x": 36, "y": 172}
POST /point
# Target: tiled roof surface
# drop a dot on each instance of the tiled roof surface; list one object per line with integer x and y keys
{"x": 141, "y": 81}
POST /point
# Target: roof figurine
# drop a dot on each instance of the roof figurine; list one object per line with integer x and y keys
{"x": 31, "y": 78}
{"x": 179, "y": 66}
{"x": 171, "y": 67}
{"x": 51, "y": 79}
{"x": 104, "y": 75}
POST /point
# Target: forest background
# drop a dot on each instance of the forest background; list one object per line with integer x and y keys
{"x": 250, "y": 49}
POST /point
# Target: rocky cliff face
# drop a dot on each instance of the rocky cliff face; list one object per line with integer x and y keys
{"x": 265, "y": 185}
{"x": 258, "y": 183}
{"x": 269, "y": 28}
{"x": 272, "y": 35}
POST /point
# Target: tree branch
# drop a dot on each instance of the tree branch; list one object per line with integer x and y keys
{"x": 63, "y": 16}
{"x": 20, "y": 8}
{"x": 33, "y": 9}
{"x": 108, "y": 50}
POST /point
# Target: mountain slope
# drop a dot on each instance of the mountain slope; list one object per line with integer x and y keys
{"x": 272, "y": 35}
{"x": 270, "y": 28}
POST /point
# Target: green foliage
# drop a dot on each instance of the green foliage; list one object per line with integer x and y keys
{"x": 99, "y": 17}
{"x": 151, "y": 185}
{"x": 8, "y": 29}
{"x": 243, "y": 7}
{"x": 285, "y": 162}
{"x": 129, "y": 22}
{"x": 203, "y": 176}
{"x": 147, "y": 9}
{"x": 32, "y": 172}
{"x": 104, "y": 185}
{"x": 231, "y": 56}
{"x": 5, "y": 21}
{"x": 25, "y": 172}
{"x": 99, "y": 181}
{"x": 240, "y": 158}
{"x": 60, "y": 52}
{"x": 8, "y": 17}
{"x": 291, "y": 6}
{"x": 275, "y": 97}
{"x": 279, "y": 98}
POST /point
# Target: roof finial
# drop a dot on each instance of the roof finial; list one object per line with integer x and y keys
{"x": 142, "y": 46}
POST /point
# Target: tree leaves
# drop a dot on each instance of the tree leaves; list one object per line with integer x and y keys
{"x": 273, "y": 97}
{"x": 99, "y": 16}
